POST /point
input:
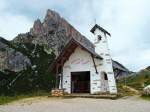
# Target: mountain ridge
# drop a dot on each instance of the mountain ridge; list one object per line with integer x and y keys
{"x": 53, "y": 33}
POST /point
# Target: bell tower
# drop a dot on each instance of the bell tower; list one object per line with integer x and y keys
{"x": 101, "y": 48}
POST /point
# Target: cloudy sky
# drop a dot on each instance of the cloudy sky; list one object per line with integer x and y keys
{"x": 128, "y": 21}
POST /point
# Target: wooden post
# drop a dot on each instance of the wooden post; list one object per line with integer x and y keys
{"x": 61, "y": 77}
{"x": 62, "y": 61}
{"x": 56, "y": 83}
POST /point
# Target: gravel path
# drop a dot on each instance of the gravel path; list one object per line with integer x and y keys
{"x": 44, "y": 104}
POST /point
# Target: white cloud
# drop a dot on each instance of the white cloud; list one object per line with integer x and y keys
{"x": 135, "y": 60}
{"x": 13, "y": 25}
{"x": 128, "y": 33}
{"x": 10, "y": 24}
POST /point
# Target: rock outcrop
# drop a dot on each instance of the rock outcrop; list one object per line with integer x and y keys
{"x": 10, "y": 58}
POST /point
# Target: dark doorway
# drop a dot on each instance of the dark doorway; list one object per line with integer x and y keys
{"x": 80, "y": 82}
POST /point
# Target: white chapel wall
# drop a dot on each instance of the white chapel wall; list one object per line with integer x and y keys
{"x": 81, "y": 60}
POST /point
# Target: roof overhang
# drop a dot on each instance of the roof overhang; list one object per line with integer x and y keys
{"x": 67, "y": 51}
{"x": 100, "y": 28}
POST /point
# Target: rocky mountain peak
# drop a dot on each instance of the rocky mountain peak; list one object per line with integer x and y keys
{"x": 53, "y": 32}
{"x": 51, "y": 21}
{"x": 37, "y": 27}
{"x": 50, "y": 14}
{"x": 50, "y": 24}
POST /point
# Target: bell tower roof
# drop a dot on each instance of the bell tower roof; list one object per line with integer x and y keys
{"x": 100, "y": 28}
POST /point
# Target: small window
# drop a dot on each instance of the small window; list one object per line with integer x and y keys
{"x": 99, "y": 37}
{"x": 105, "y": 76}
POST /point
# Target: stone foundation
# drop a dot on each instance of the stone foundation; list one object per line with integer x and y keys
{"x": 57, "y": 92}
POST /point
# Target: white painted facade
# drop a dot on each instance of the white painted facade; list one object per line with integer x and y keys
{"x": 81, "y": 60}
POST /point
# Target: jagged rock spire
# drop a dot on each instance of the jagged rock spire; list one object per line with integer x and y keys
{"x": 51, "y": 21}
{"x": 50, "y": 24}
{"x": 37, "y": 27}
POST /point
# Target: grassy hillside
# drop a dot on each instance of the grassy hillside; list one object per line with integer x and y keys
{"x": 137, "y": 82}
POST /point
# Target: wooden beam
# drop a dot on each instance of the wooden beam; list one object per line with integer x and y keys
{"x": 94, "y": 64}
{"x": 118, "y": 73}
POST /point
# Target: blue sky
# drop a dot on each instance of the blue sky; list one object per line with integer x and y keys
{"x": 128, "y": 21}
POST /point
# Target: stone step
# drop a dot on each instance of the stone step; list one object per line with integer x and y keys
{"x": 107, "y": 96}
{"x": 78, "y": 95}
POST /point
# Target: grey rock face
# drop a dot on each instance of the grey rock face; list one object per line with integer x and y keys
{"x": 3, "y": 62}
{"x": 17, "y": 61}
{"x": 11, "y": 59}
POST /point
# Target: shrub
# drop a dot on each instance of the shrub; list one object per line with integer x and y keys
{"x": 33, "y": 78}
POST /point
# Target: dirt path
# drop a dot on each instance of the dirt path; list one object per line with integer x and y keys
{"x": 44, "y": 104}
{"x": 133, "y": 90}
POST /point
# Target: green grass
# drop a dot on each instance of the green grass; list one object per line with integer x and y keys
{"x": 146, "y": 97}
{"x": 137, "y": 82}
{"x": 8, "y": 99}
{"x": 125, "y": 91}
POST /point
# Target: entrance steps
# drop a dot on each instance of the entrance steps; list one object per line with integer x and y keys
{"x": 83, "y": 95}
